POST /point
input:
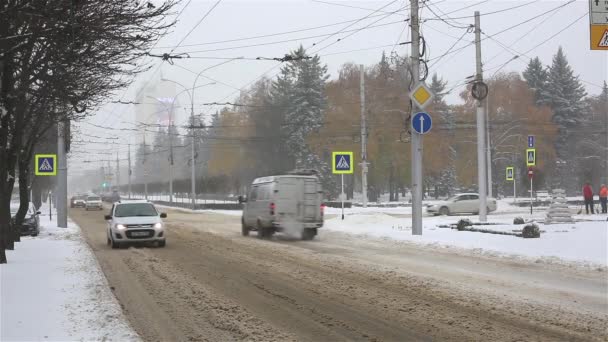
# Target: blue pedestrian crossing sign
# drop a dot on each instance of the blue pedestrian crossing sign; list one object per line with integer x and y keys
{"x": 46, "y": 164}
{"x": 342, "y": 163}
{"x": 422, "y": 123}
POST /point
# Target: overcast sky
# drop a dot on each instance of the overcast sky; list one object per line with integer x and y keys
{"x": 231, "y": 20}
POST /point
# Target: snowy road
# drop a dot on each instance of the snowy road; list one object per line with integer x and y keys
{"x": 210, "y": 283}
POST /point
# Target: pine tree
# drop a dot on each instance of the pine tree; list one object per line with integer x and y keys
{"x": 564, "y": 92}
{"x": 300, "y": 90}
{"x": 565, "y": 95}
{"x": 536, "y": 75}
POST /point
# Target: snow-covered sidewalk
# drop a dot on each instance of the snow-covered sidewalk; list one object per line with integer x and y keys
{"x": 582, "y": 243}
{"x": 53, "y": 289}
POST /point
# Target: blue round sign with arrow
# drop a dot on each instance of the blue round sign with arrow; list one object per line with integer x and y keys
{"x": 422, "y": 123}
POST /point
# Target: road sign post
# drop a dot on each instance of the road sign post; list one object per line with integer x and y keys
{"x": 598, "y": 24}
{"x": 342, "y": 163}
{"x": 421, "y": 123}
{"x": 531, "y": 176}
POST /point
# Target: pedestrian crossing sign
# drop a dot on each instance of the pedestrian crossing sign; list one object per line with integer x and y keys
{"x": 342, "y": 163}
{"x": 510, "y": 173}
{"x": 46, "y": 164}
{"x": 531, "y": 157}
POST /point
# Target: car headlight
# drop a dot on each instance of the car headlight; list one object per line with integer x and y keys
{"x": 120, "y": 226}
{"x": 158, "y": 225}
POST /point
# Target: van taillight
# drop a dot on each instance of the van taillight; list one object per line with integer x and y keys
{"x": 272, "y": 207}
{"x": 322, "y": 209}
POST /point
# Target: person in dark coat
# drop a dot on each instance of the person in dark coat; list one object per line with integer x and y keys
{"x": 588, "y": 196}
{"x": 604, "y": 198}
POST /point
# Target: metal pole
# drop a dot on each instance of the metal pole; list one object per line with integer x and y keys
{"x": 363, "y": 139}
{"x": 129, "y": 172}
{"x": 416, "y": 141}
{"x": 145, "y": 170}
{"x": 606, "y": 137}
{"x": 117, "y": 172}
{"x": 514, "y": 186}
{"x": 50, "y": 206}
{"x": 342, "y": 196}
{"x": 192, "y": 170}
{"x": 531, "y": 197}
{"x": 62, "y": 178}
{"x": 488, "y": 147}
{"x": 481, "y": 133}
{"x": 170, "y": 157}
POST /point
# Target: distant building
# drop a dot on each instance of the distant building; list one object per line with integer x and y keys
{"x": 157, "y": 108}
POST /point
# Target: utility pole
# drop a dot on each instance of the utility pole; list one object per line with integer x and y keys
{"x": 416, "y": 141}
{"x": 170, "y": 156}
{"x": 482, "y": 179}
{"x": 363, "y": 139}
{"x": 117, "y": 172}
{"x": 145, "y": 169}
{"x": 488, "y": 146}
{"x": 62, "y": 178}
{"x": 129, "y": 172}
{"x": 192, "y": 167}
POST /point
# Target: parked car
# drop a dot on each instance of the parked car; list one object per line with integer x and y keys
{"x": 135, "y": 221}
{"x": 93, "y": 202}
{"x": 78, "y": 201}
{"x": 291, "y": 202}
{"x": 460, "y": 204}
{"x": 31, "y": 221}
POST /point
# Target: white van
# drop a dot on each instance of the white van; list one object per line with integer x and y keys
{"x": 290, "y": 203}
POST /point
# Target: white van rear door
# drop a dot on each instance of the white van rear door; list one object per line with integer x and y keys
{"x": 311, "y": 203}
{"x": 288, "y": 193}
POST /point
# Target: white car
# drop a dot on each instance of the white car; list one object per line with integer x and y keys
{"x": 93, "y": 203}
{"x": 460, "y": 204}
{"x": 135, "y": 221}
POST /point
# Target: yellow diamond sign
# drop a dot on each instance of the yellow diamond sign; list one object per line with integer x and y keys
{"x": 421, "y": 95}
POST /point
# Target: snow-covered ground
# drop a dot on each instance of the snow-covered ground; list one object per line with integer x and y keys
{"x": 53, "y": 289}
{"x": 583, "y": 242}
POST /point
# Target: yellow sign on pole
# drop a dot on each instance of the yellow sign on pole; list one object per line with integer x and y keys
{"x": 598, "y": 28}
{"x": 342, "y": 163}
{"x": 46, "y": 165}
{"x": 531, "y": 157}
{"x": 421, "y": 95}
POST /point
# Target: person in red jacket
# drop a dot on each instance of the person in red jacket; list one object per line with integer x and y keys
{"x": 588, "y": 196}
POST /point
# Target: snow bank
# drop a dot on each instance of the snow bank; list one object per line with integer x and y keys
{"x": 53, "y": 289}
{"x": 580, "y": 243}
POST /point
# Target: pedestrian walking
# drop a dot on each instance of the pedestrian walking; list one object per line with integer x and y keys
{"x": 604, "y": 198}
{"x": 588, "y": 197}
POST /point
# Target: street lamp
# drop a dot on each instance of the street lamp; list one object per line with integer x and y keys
{"x": 192, "y": 164}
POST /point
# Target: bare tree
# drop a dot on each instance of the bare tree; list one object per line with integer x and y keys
{"x": 59, "y": 60}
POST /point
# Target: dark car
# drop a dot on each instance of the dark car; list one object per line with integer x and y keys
{"x": 31, "y": 221}
{"x": 78, "y": 201}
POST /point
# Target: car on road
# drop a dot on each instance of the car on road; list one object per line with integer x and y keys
{"x": 93, "y": 202}
{"x": 135, "y": 222}
{"x": 78, "y": 201}
{"x": 31, "y": 221}
{"x": 467, "y": 203}
{"x": 290, "y": 203}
